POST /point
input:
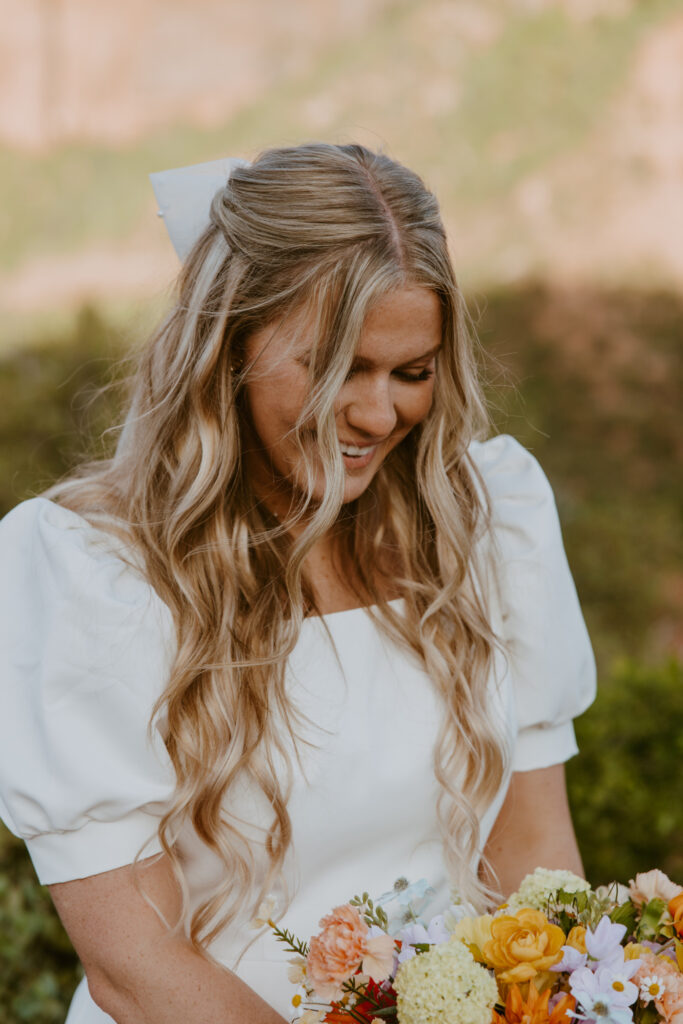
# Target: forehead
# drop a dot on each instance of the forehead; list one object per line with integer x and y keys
{"x": 402, "y": 325}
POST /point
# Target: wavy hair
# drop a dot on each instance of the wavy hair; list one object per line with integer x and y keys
{"x": 327, "y": 230}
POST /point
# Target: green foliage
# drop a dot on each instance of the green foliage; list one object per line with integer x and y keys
{"x": 592, "y": 383}
{"x": 38, "y": 967}
{"x": 626, "y": 787}
{"x": 53, "y": 410}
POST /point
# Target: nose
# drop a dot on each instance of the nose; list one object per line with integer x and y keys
{"x": 368, "y": 407}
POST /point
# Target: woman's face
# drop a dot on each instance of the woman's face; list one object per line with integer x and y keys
{"x": 388, "y": 391}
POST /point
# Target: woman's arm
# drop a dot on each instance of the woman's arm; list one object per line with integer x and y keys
{"x": 533, "y": 829}
{"x": 137, "y": 972}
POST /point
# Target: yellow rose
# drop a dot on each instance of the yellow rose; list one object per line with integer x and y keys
{"x": 523, "y": 945}
{"x": 475, "y": 932}
{"x": 577, "y": 938}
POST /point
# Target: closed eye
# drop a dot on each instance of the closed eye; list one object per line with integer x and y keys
{"x": 415, "y": 377}
{"x": 406, "y": 375}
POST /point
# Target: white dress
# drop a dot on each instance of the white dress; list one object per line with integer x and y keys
{"x": 86, "y": 646}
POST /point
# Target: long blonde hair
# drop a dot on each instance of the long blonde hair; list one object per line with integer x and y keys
{"x": 329, "y": 230}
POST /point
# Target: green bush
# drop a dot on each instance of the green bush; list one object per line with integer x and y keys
{"x": 38, "y": 967}
{"x": 55, "y": 405}
{"x": 626, "y": 786}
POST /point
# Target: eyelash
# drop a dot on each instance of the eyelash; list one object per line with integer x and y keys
{"x": 422, "y": 375}
{"x": 403, "y": 375}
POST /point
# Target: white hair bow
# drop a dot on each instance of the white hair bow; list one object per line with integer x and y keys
{"x": 184, "y": 195}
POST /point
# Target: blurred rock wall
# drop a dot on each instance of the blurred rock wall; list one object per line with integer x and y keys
{"x": 107, "y": 71}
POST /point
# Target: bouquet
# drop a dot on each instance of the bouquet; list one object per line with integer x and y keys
{"x": 556, "y": 952}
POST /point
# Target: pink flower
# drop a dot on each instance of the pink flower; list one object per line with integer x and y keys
{"x": 670, "y": 1003}
{"x": 650, "y": 885}
{"x": 378, "y": 961}
{"x": 344, "y": 945}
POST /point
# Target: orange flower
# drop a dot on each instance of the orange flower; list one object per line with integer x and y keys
{"x": 577, "y": 938}
{"x": 523, "y": 945}
{"x": 337, "y": 1015}
{"x": 676, "y": 911}
{"x": 344, "y": 945}
{"x": 534, "y": 1010}
{"x": 335, "y": 954}
{"x": 670, "y": 1003}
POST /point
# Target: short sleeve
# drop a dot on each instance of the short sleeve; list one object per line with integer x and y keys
{"x": 547, "y": 646}
{"x": 86, "y": 648}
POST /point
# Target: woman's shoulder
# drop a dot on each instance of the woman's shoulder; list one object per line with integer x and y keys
{"x": 508, "y": 469}
{"x": 543, "y": 631}
{"x": 78, "y": 587}
{"x": 40, "y": 521}
{"x": 56, "y": 539}
{"x": 86, "y": 652}
{"x": 524, "y": 516}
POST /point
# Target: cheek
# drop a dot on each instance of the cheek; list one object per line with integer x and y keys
{"x": 414, "y": 407}
{"x": 274, "y": 403}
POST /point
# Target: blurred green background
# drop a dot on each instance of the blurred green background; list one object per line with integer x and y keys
{"x": 551, "y": 132}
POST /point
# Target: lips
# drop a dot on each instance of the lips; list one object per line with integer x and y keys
{"x": 356, "y": 451}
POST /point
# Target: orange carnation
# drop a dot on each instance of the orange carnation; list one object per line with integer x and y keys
{"x": 534, "y": 1009}
{"x": 523, "y": 945}
{"x": 343, "y": 946}
{"x": 335, "y": 954}
{"x": 670, "y": 1003}
{"x": 676, "y": 911}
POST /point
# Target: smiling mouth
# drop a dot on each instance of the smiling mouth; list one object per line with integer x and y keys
{"x": 355, "y": 451}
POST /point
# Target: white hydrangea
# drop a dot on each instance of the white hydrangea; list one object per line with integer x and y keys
{"x": 445, "y": 986}
{"x": 539, "y": 886}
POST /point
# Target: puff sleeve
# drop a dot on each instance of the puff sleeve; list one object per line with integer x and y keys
{"x": 85, "y": 650}
{"x": 548, "y": 650}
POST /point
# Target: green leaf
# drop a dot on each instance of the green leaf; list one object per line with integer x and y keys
{"x": 647, "y": 1014}
{"x": 625, "y": 914}
{"x": 650, "y": 919}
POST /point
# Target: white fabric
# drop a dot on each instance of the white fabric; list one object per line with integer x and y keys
{"x": 87, "y": 645}
{"x": 185, "y": 194}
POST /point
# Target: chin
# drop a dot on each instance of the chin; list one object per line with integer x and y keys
{"x": 353, "y": 488}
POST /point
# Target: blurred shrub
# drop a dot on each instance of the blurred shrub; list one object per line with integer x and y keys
{"x": 592, "y": 383}
{"x": 38, "y": 967}
{"x": 626, "y": 786}
{"x": 53, "y": 409}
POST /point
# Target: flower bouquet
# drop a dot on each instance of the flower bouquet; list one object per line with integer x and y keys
{"x": 557, "y": 951}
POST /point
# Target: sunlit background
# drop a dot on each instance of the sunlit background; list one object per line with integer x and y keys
{"x": 552, "y": 132}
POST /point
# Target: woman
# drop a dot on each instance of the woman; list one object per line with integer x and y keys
{"x": 304, "y": 633}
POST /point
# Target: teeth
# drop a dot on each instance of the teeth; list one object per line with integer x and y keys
{"x": 353, "y": 449}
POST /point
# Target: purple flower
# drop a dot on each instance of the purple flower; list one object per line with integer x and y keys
{"x": 437, "y": 930}
{"x": 599, "y": 999}
{"x": 605, "y": 942}
{"x": 416, "y": 934}
{"x": 571, "y": 961}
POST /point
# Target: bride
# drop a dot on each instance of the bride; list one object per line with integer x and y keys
{"x": 306, "y": 632}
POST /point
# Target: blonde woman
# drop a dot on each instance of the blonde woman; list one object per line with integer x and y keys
{"x": 305, "y": 632}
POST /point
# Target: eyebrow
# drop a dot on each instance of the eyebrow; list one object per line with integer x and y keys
{"x": 367, "y": 364}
